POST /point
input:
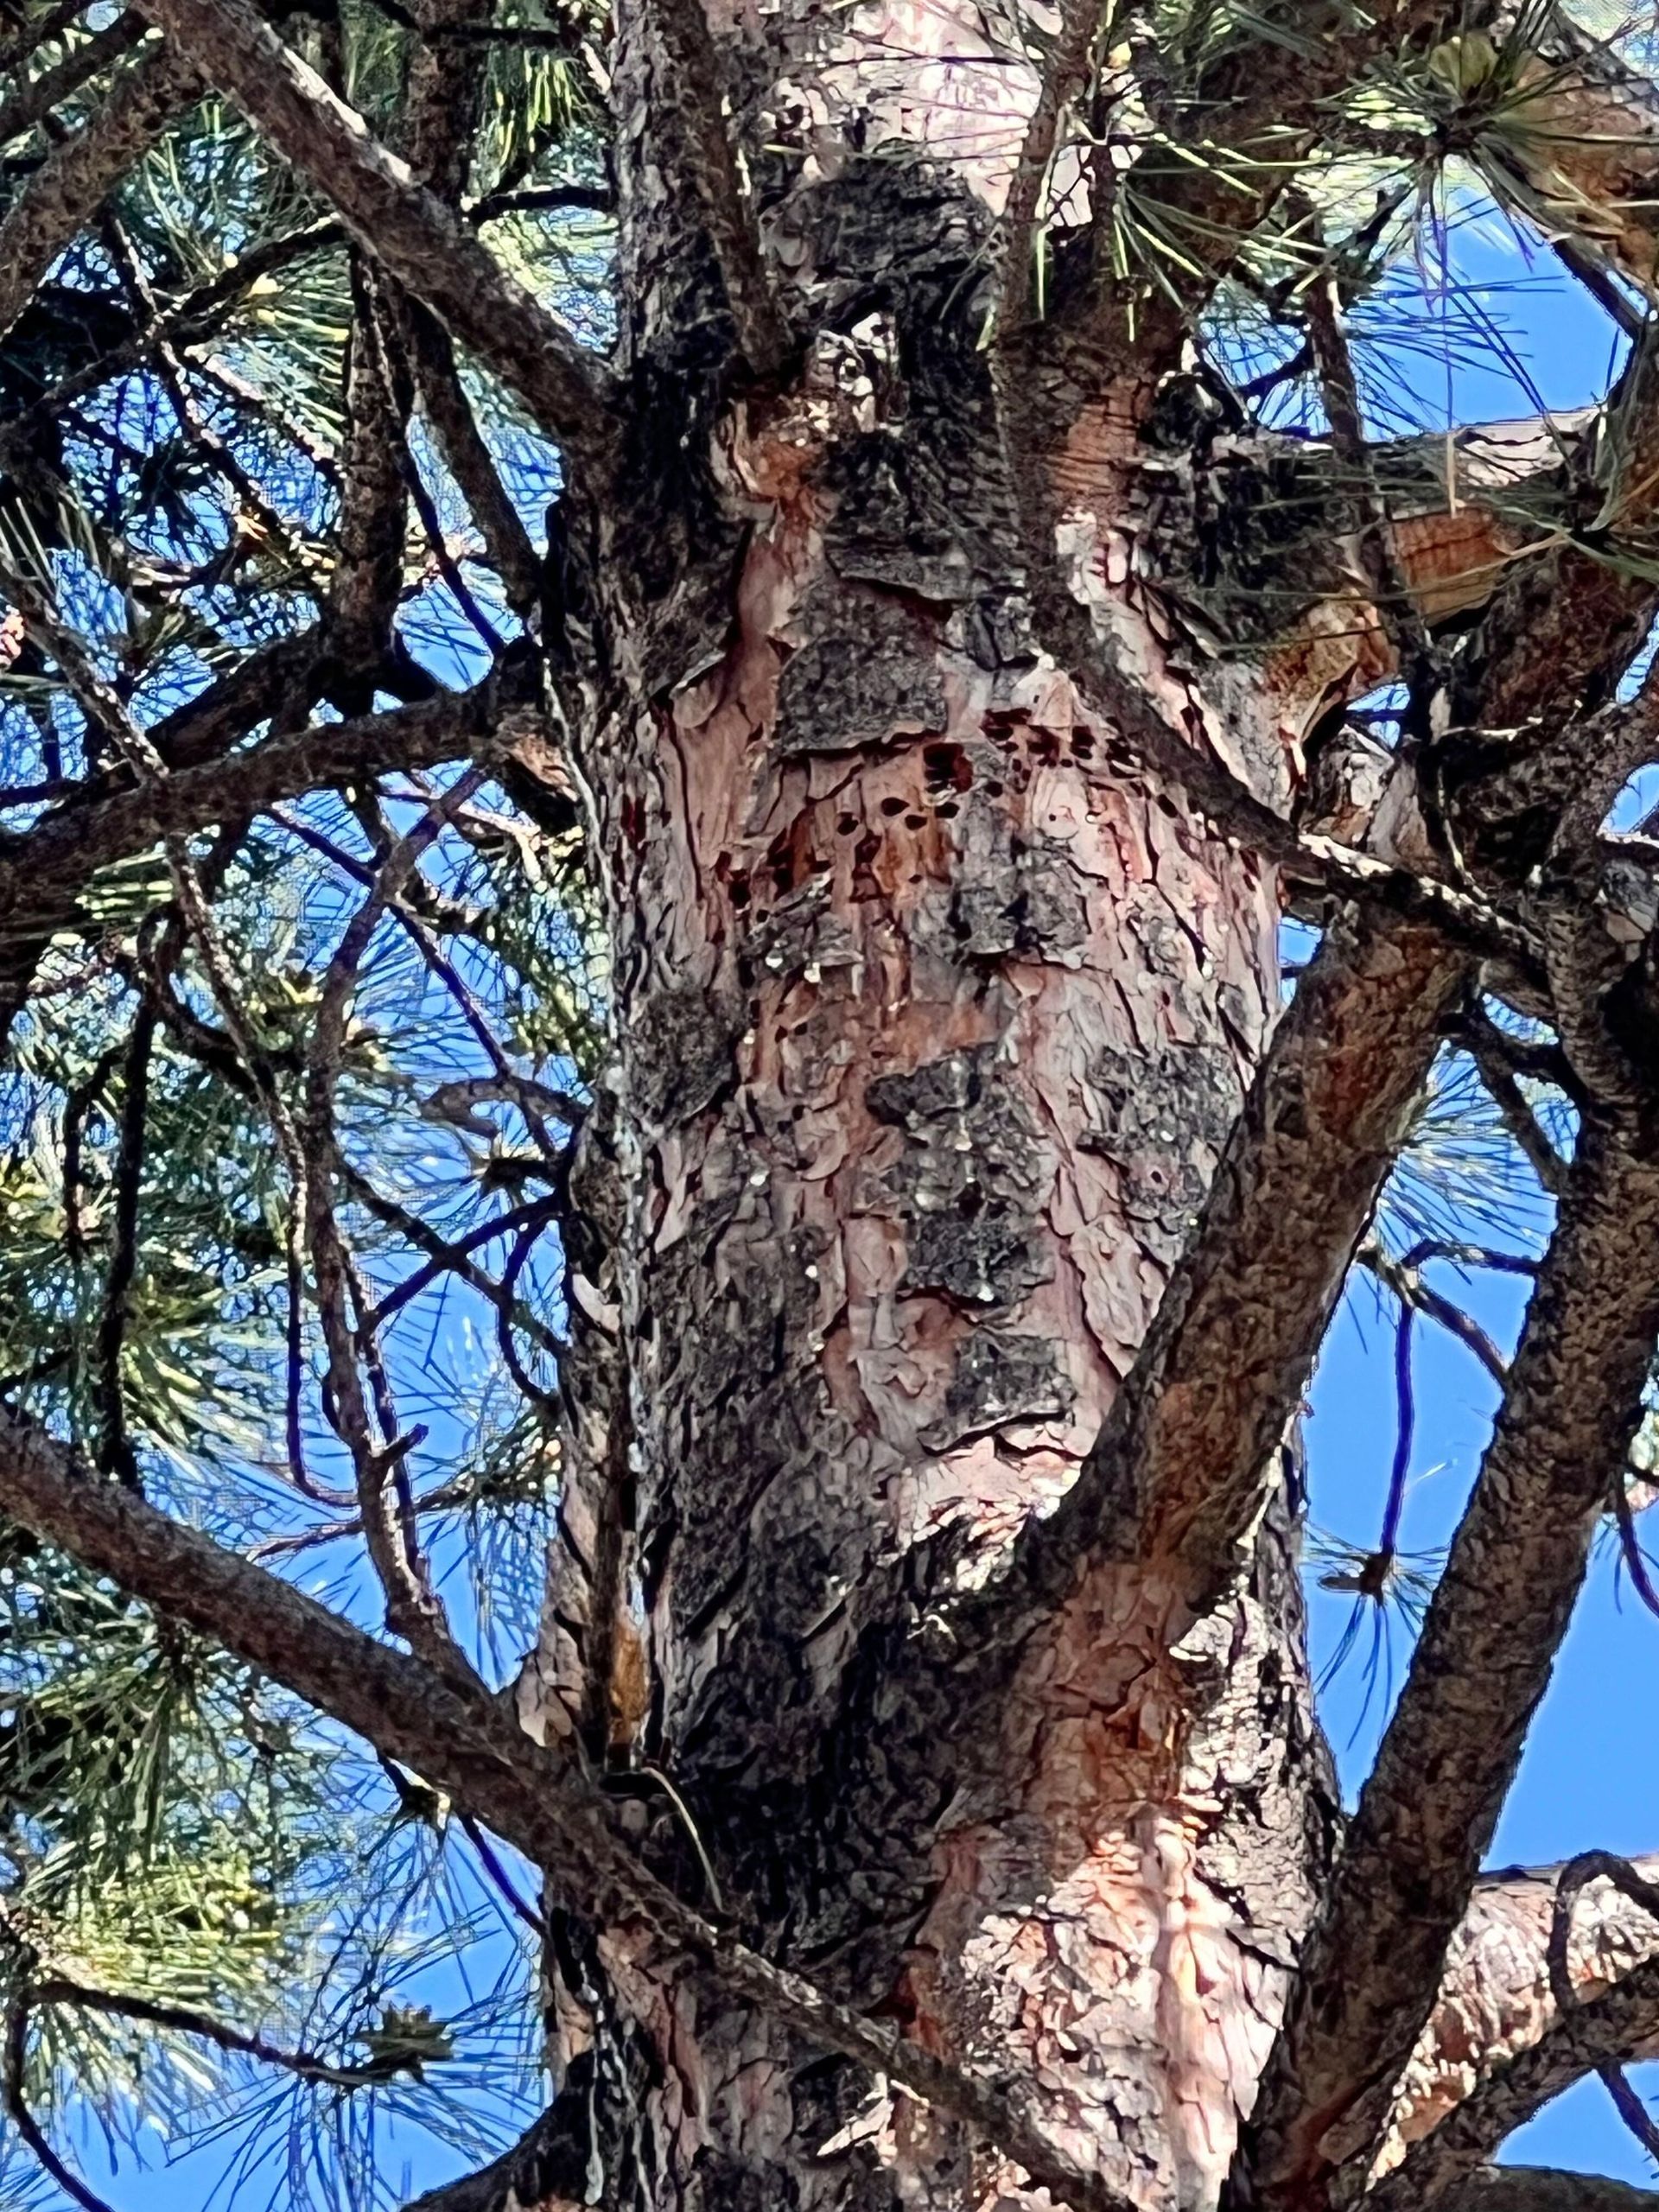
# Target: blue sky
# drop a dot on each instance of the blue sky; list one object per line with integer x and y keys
{"x": 1591, "y": 1772}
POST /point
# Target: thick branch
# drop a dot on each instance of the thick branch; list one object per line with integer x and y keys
{"x": 1545, "y": 2188}
{"x": 76, "y": 178}
{"x": 1622, "y": 2024}
{"x": 1497, "y": 1995}
{"x": 426, "y": 247}
{"x": 373, "y": 528}
{"x": 1177, "y": 1472}
{"x": 1372, "y": 1965}
{"x": 468, "y": 1744}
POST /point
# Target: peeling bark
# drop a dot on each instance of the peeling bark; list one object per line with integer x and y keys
{"x": 955, "y": 1229}
{"x": 934, "y": 1011}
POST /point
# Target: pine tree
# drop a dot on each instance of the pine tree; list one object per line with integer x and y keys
{"x": 667, "y": 677}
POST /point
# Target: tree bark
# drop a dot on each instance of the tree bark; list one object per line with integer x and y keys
{"x": 939, "y": 1099}
{"x": 932, "y": 1010}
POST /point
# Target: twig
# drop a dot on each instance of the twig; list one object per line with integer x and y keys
{"x": 449, "y": 1257}
{"x": 1402, "y": 1278}
{"x": 1636, "y": 1560}
{"x": 413, "y": 1608}
{"x": 116, "y": 1455}
{"x": 1068, "y": 65}
{"x": 180, "y": 2020}
{"x": 196, "y": 427}
{"x": 469, "y": 461}
{"x": 523, "y": 1246}
{"x": 490, "y": 1861}
{"x": 1489, "y": 1049}
{"x": 1396, "y": 607}
{"x": 17, "y": 2103}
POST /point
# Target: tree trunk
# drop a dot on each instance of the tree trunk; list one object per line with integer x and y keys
{"x": 932, "y": 1011}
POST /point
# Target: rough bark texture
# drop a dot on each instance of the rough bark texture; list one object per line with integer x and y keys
{"x": 933, "y": 1014}
{"x": 957, "y": 1223}
{"x": 1429, "y": 1805}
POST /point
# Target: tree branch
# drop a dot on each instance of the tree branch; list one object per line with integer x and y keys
{"x": 1177, "y": 1472}
{"x": 13, "y": 2061}
{"x": 76, "y": 178}
{"x": 468, "y": 1744}
{"x": 408, "y": 229}
{"x": 1067, "y": 71}
{"x": 414, "y": 1610}
{"x": 437, "y": 376}
{"x": 1497, "y": 1994}
{"x": 1542, "y": 2189}
{"x": 1372, "y": 1966}
{"x": 1621, "y": 2024}
{"x": 44, "y": 871}
{"x": 37, "y": 97}
{"x": 1488, "y": 1047}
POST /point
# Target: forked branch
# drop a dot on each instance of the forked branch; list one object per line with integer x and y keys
{"x": 1371, "y": 1970}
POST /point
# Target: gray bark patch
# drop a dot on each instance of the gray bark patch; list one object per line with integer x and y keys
{"x": 868, "y": 674}
{"x": 970, "y": 1180}
{"x": 1164, "y": 1117}
{"x": 1009, "y": 899}
{"x": 684, "y": 1044}
{"x": 1000, "y": 1378}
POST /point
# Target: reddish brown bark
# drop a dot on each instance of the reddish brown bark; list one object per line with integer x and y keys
{"x": 940, "y": 1006}
{"x": 933, "y": 1014}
